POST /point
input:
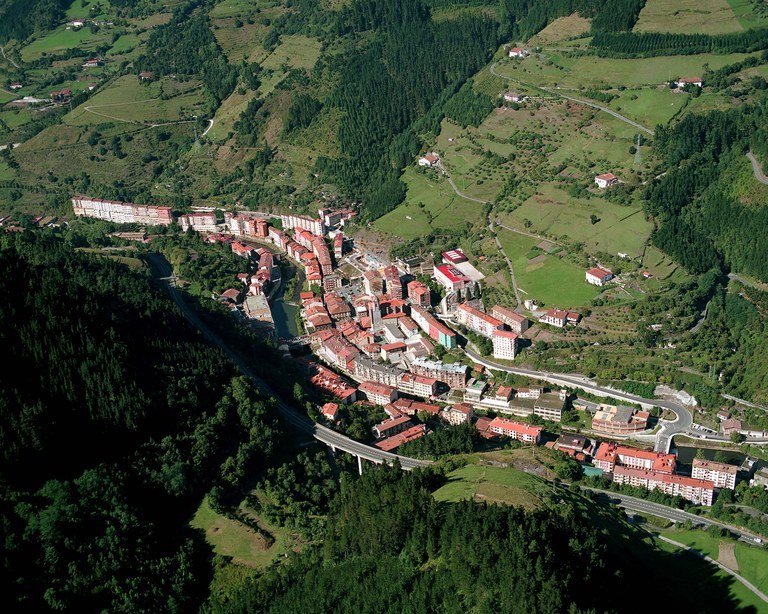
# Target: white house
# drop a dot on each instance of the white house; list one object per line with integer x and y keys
{"x": 16, "y": 86}
{"x": 598, "y": 276}
{"x": 513, "y": 97}
{"x": 519, "y": 52}
{"x": 431, "y": 159}
{"x": 605, "y": 180}
{"x": 683, "y": 81}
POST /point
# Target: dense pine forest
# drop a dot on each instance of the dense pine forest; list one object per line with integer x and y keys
{"x": 702, "y": 224}
{"x": 114, "y": 420}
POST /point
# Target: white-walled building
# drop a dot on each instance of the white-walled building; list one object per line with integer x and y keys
{"x": 598, "y": 276}
{"x": 506, "y": 344}
{"x": 722, "y": 475}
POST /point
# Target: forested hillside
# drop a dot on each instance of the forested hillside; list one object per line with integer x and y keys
{"x": 702, "y": 223}
{"x": 114, "y": 420}
{"x": 391, "y": 547}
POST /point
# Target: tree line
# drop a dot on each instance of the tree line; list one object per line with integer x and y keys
{"x": 645, "y": 44}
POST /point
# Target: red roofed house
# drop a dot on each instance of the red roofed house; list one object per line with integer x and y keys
{"x": 527, "y": 433}
{"x": 606, "y": 180}
{"x": 722, "y": 474}
{"x": 91, "y": 63}
{"x": 516, "y": 322}
{"x": 430, "y": 159}
{"x": 598, "y": 276}
{"x": 477, "y": 321}
{"x": 454, "y": 256}
{"x": 16, "y": 85}
{"x": 391, "y": 427}
{"x": 519, "y": 52}
{"x": 417, "y": 385}
{"x": 555, "y": 317}
{"x": 610, "y": 455}
{"x": 330, "y": 411}
{"x": 450, "y": 277}
{"x": 145, "y": 75}
{"x": 418, "y": 293}
{"x": 381, "y": 394}
{"x": 391, "y": 443}
{"x": 505, "y": 344}
{"x": 459, "y": 413}
{"x": 683, "y": 81}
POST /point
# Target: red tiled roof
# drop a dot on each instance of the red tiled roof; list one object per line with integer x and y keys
{"x": 607, "y": 177}
{"x": 598, "y": 272}
{"x": 452, "y": 273}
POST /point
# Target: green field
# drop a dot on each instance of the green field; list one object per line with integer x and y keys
{"x": 650, "y": 106}
{"x": 746, "y": 13}
{"x": 296, "y": 51}
{"x": 752, "y": 560}
{"x": 81, "y": 9}
{"x": 492, "y": 485}
{"x": 442, "y": 208}
{"x": 62, "y": 39}
{"x": 561, "y": 29}
{"x": 119, "y": 102}
{"x": 552, "y": 69}
{"x": 551, "y": 280}
{"x": 698, "y": 575}
{"x": 688, "y": 17}
{"x": 552, "y": 212}
{"x": 124, "y": 44}
{"x": 231, "y": 538}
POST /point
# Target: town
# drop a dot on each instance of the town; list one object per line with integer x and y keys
{"x": 378, "y": 338}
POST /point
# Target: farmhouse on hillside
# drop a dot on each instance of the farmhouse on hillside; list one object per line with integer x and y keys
{"x": 519, "y": 52}
{"x": 430, "y": 159}
{"x": 598, "y": 276}
{"x": 513, "y": 97}
{"x": 606, "y": 180}
{"x": 683, "y": 81}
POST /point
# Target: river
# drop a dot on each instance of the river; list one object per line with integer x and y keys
{"x": 285, "y": 309}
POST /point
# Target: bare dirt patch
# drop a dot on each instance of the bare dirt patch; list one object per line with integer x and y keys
{"x": 727, "y": 555}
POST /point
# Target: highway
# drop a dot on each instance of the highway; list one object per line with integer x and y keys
{"x": 295, "y": 418}
{"x": 641, "y": 506}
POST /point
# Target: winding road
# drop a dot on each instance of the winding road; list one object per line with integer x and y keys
{"x": 669, "y": 428}
{"x": 757, "y": 169}
{"x": 298, "y": 420}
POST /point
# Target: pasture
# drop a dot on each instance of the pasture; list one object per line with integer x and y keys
{"x": 688, "y": 17}
{"x": 296, "y": 51}
{"x": 752, "y": 561}
{"x": 553, "y": 69}
{"x": 64, "y": 38}
{"x": 552, "y": 280}
{"x": 227, "y": 114}
{"x": 491, "y": 484}
{"x": 561, "y": 29}
{"x": 230, "y": 538}
{"x": 552, "y": 212}
{"x": 442, "y": 208}
{"x": 160, "y": 101}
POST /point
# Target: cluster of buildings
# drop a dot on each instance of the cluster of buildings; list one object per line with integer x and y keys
{"x": 658, "y": 471}
{"x": 122, "y": 213}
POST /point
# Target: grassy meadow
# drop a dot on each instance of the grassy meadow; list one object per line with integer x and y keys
{"x": 688, "y": 17}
